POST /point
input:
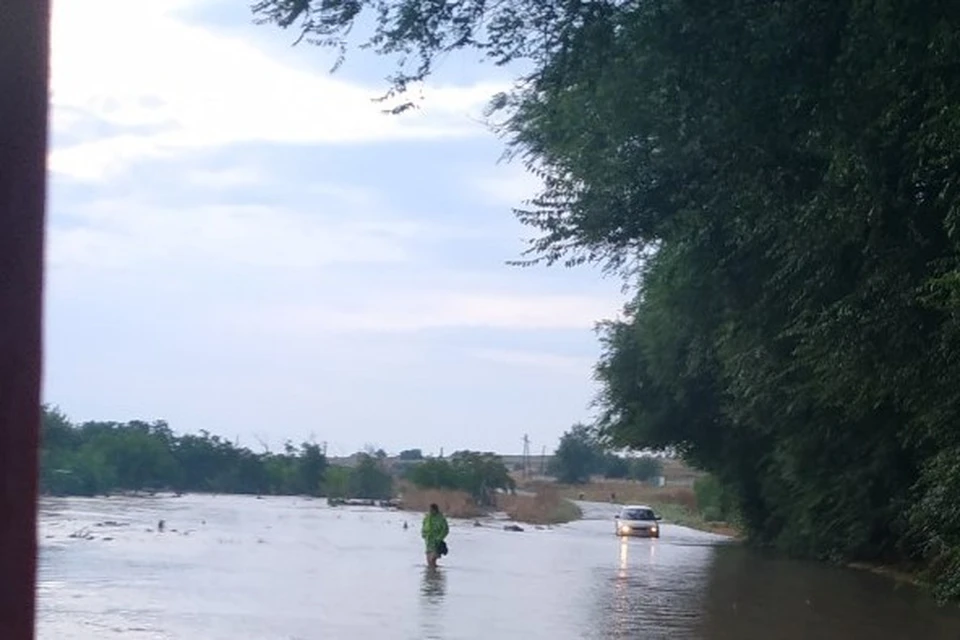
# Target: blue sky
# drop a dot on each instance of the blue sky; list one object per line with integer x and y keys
{"x": 241, "y": 242}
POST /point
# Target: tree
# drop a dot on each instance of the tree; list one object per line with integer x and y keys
{"x": 337, "y": 482}
{"x": 103, "y": 457}
{"x": 368, "y": 479}
{"x": 434, "y": 473}
{"x": 577, "y": 457}
{"x": 614, "y": 466}
{"x": 479, "y": 474}
{"x": 779, "y": 181}
{"x": 311, "y": 467}
{"x": 645, "y": 468}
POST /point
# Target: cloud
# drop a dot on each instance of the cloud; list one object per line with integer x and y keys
{"x": 124, "y": 233}
{"x": 419, "y": 310}
{"x": 508, "y": 184}
{"x": 226, "y": 178}
{"x": 533, "y": 359}
{"x": 221, "y": 227}
{"x": 132, "y": 80}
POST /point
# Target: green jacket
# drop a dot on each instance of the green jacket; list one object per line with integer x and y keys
{"x": 434, "y": 529}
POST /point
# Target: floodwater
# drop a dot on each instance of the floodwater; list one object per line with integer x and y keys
{"x": 240, "y": 568}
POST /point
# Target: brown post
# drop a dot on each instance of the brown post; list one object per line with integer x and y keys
{"x": 24, "y": 60}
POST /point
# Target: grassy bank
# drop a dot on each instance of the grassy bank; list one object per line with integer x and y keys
{"x": 677, "y": 505}
{"x": 455, "y": 504}
{"x": 546, "y": 507}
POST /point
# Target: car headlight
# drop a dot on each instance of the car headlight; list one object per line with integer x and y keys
{"x": 624, "y": 529}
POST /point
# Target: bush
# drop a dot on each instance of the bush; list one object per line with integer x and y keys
{"x": 713, "y": 501}
{"x": 480, "y": 475}
{"x": 369, "y": 480}
{"x": 616, "y": 467}
{"x": 577, "y": 457}
{"x": 455, "y": 504}
{"x": 646, "y": 468}
{"x": 546, "y": 507}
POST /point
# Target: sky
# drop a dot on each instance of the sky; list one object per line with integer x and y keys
{"x": 242, "y": 242}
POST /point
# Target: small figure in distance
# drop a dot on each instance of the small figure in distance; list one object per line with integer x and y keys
{"x": 434, "y": 531}
{"x": 160, "y": 526}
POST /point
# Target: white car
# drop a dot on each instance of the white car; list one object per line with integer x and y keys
{"x": 637, "y": 520}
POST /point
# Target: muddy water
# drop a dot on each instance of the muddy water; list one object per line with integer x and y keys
{"x": 238, "y": 568}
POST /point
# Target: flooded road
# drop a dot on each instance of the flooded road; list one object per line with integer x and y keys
{"x": 239, "y": 568}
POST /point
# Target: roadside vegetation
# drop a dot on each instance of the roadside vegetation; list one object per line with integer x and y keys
{"x": 469, "y": 484}
{"x": 546, "y": 506}
{"x": 453, "y": 503}
{"x": 585, "y": 470}
{"x": 779, "y": 183}
{"x": 101, "y": 458}
{"x": 97, "y": 458}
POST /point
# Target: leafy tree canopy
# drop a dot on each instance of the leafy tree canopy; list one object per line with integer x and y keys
{"x": 780, "y": 181}
{"x": 577, "y": 457}
{"x": 479, "y": 474}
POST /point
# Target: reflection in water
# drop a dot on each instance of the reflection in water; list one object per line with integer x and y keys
{"x": 748, "y": 593}
{"x": 433, "y": 588}
{"x": 624, "y": 558}
{"x": 655, "y": 591}
{"x": 620, "y": 606}
{"x": 434, "y": 585}
{"x": 245, "y": 569}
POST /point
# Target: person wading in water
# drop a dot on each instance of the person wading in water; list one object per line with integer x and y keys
{"x": 434, "y": 532}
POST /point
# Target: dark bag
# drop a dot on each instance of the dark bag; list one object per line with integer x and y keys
{"x": 442, "y": 548}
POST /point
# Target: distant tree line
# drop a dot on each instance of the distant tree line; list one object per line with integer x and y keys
{"x": 95, "y": 458}
{"x": 481, "y": 475}
{"x": 581, "y": 455}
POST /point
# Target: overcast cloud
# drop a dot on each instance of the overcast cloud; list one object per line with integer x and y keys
{"x": 243, "y": 243}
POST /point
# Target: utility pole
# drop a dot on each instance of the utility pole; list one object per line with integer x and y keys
{"x": 526, "y": 455}
{"x": 543, "y": 461}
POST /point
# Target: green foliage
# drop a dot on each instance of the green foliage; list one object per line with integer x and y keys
{"x": 337, "y": 482}
{"x": 578, "y": 456}
{"x": 582, "y": 454}
{"x": 611, "y": 465}
{"x": 369, "y": 479}
{"x": 103, "y": 457}
{"x": 479, "y": 474}
{"x": 434, "y": 473}
{"x": 645, "y": 468}
{"x": 781, "y": 180}
{"x": 614, "y": 466}
{"x": 714, "y": 503}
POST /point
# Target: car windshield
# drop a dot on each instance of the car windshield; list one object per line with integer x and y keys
{"x": 637, "y": 514}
